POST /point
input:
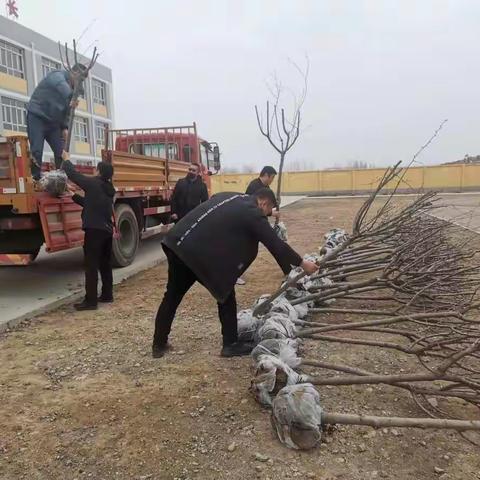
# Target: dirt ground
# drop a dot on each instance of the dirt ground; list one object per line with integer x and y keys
{"x": 81, "y": 397}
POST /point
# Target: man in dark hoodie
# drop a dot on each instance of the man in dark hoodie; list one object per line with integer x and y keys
{"x": 97, "y": 223}
{"x": 189, "y": 192}
{"x": 213, "y": 245}
{"x": 48, "y": 115}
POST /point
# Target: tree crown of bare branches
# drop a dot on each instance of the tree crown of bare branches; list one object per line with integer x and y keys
{"x": 281, "y": 129}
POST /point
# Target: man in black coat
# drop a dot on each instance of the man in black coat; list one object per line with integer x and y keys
{"x": 189, "y": 192}
{"x": 97, "y": 223}
{"x": 264, "y": 180}
{"x": 214, "y": 244}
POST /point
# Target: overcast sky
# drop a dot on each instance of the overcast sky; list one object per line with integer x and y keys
{"x": 383, "y": 74}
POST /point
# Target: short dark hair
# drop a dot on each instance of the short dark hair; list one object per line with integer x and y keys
{"x": 266, "y": 194}
{"x": 268, "y": 170}
{"x": 105, "y": 170}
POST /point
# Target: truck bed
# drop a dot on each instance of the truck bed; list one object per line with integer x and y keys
{"x": 133, "y": 172}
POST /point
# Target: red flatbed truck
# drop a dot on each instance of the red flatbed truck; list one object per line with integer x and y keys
{"x": 147, "y": 164}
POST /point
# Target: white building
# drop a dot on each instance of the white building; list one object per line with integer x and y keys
{"x": 25, "y": 58}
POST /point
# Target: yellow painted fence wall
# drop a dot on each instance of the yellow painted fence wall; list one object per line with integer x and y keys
{"x": 456, "y": 178}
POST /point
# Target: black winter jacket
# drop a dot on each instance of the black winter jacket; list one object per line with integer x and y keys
{"x": 187, "y": 195}
{"x": 256, "y": 185}
{"x": 219, "y": 240}
{"x": 98, "y": 201}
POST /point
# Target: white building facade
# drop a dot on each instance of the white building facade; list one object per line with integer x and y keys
{"x": 25, "y": 58}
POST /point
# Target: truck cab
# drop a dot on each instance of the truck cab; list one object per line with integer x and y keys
{"x": 174, "y": 144}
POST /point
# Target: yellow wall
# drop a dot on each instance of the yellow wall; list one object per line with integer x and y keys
{"x": 9, "y": 82}
{"x": 10, "y": 133}
{"x": 458, "y": 177}
{"x": 100, "y": 110}
{"x": 81, "y": 147}
{"x": 82, "y": 104}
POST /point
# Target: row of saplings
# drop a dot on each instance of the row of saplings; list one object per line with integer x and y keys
{"x": 425, "y": 284}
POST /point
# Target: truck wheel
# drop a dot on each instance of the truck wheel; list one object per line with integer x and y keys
{"x": 125, "y": 248}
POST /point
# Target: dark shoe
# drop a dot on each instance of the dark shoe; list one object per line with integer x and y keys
{"x": 237, "y": 349}
{"x": 158, "y": 351}
{"x": 84, "y": 306}
{"x": 103, "y": 299}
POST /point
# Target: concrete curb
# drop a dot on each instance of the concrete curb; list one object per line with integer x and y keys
{"x": 119, "y": 276}
{"x": 287, "y": 201}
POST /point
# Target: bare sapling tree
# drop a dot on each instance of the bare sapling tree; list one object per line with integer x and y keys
{"x": 78, "y": 72}
{"x": 279, "y": 124}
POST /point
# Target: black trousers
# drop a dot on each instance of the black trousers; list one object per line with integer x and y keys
{"x": 180, "y": 279}
{"x": 97, "y": 248}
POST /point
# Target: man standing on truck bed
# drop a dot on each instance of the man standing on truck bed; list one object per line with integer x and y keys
{"x": 97, "y": 223}
{"x": 214, "y": 244}
{"x": 189, "y": 192}
{"x": 48, "y": 114}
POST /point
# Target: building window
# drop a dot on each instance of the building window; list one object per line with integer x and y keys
{"x": 100, "y": 133}
{"x": 49, "y": 66}
{"x": 14, "y": 115}
{"x": 80, "y": 129}
{"x": 11, "y": 60}
{"x": 99, "y": 92}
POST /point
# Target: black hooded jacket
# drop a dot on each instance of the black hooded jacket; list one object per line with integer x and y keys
{"x": 98, "y": 200}
{"x": 219, "y": 240}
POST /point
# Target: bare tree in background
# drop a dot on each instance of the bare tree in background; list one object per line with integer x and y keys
{"x": 300, "y": 166}
{"x": 230, "y": 169}
{"x": 248, "y": 169}
{"x": 277, "y": 124}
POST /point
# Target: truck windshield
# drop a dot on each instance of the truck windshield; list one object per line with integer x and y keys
{"x": 155, "y": 150}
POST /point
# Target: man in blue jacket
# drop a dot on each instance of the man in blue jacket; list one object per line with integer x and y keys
{"x": 48, "y": 114}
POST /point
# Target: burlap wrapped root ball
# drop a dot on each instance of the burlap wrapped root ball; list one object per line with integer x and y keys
{"x": 270, "y": 376}
{"x": 284, "y": 349}
{"x": 275, "y": 325}
{"x": 247, "y": 325}
{"x": 297, "y": 416}
{"x": 281, "y": 230}
{"x": 333, "y": 239}
{"x": 54, "y": 182}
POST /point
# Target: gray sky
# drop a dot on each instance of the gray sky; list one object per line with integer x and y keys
{"x": 383, "y": 73}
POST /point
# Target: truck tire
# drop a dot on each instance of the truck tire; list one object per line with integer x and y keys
{"x": 125, "y": 248}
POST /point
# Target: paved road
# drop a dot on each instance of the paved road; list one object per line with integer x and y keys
{"x": 54, "y": 279}
{"x": 463, "y": 210}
